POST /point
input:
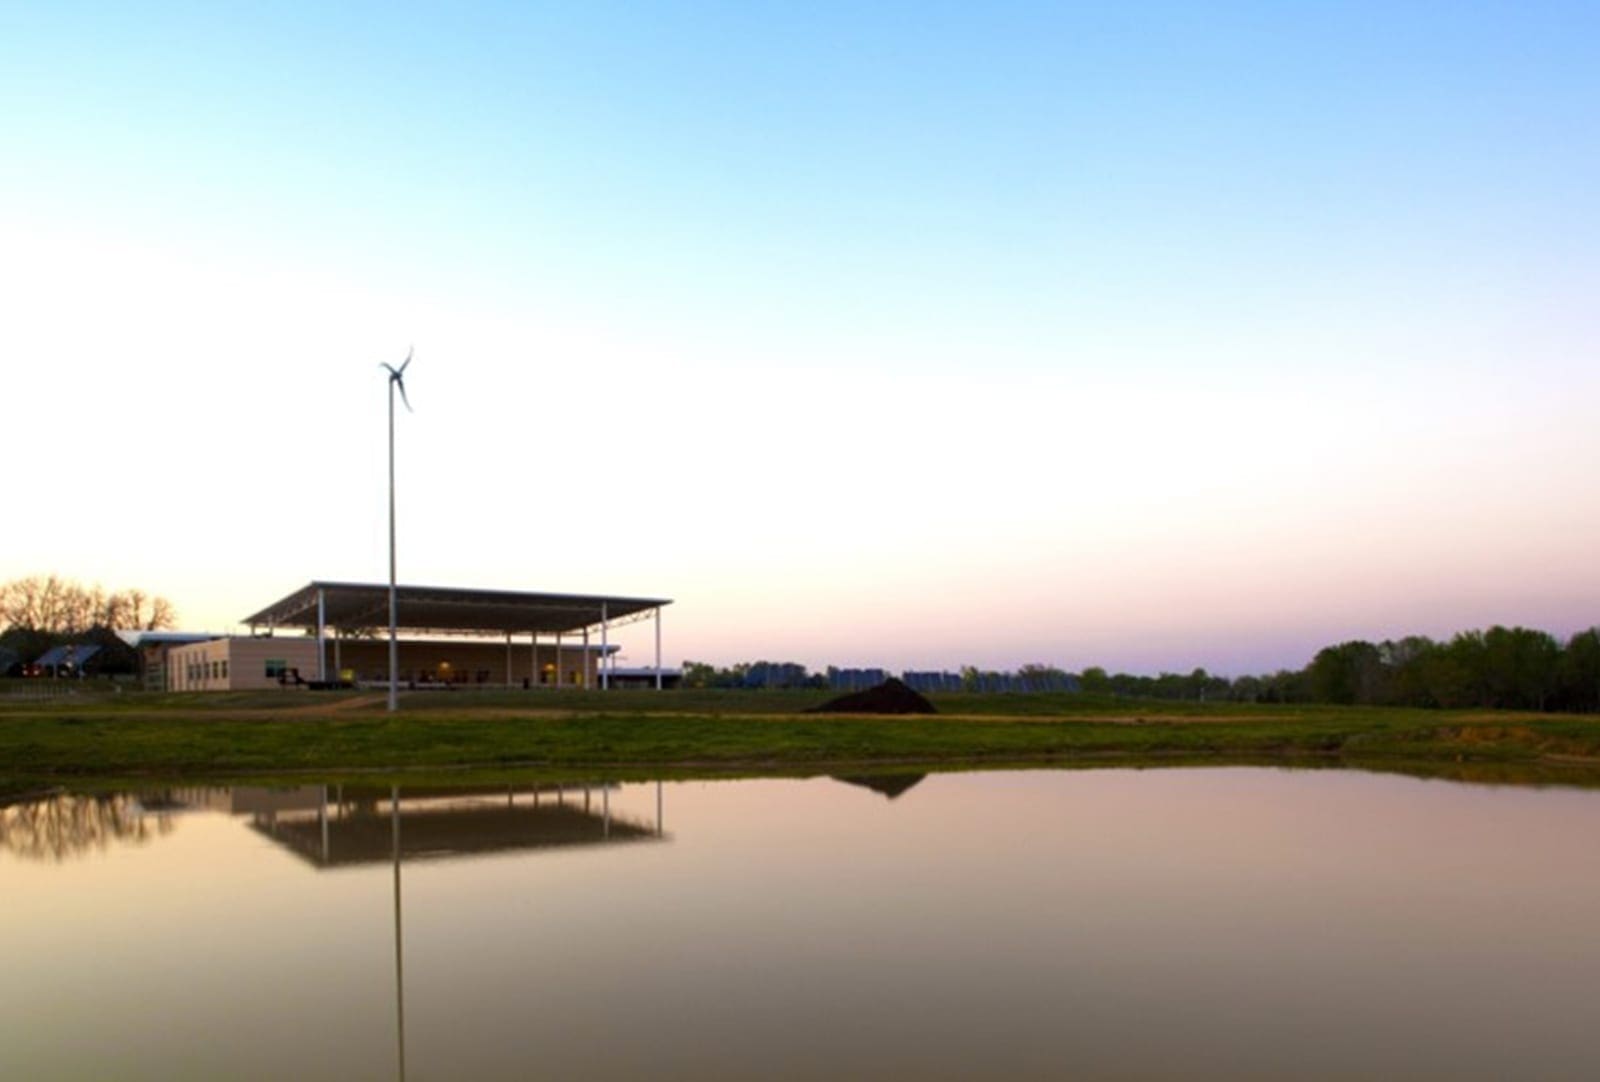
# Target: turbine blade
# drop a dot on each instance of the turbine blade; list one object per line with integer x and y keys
{"x": 407, "y": 361}
{"x": 400, "y": 383}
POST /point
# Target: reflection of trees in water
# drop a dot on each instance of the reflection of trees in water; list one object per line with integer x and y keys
{"x": 67, "y": 826}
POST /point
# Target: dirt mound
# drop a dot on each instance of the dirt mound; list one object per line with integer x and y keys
{"x": 889, "y": 697}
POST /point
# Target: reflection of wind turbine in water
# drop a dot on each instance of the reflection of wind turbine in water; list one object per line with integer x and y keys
{"x": 633, "y": 831}
{"x": 397, "y": 380}
{"x": 399, "y": 972}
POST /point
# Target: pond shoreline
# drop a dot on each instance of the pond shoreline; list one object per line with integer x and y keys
{"x": 675, "y": 735}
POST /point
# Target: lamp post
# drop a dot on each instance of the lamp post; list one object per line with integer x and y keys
{"x": 396, "y": 381}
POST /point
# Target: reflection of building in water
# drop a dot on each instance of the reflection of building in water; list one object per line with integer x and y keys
{"x": 332, "y": 826}
{"x": 338, "y": 826}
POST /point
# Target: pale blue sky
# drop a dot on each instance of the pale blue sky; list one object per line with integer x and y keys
{"x": 1292, "y": 301}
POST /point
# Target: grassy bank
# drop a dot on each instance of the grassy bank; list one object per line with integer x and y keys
{"x": 681, "y": 733}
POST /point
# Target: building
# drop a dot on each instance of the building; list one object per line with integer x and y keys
{"x": 153, "y": 649}
{"x": 337, "y": 633}
{"x": 255, "y": 662}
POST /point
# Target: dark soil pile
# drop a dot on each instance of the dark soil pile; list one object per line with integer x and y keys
{"x": 889, "y": 697}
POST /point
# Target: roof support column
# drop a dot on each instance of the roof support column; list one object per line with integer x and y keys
{"x": 533, "y": 660}
{"x": 338, "y": 662}
{"x": 588, "y": 659}
{"x": 508, "y": 659}
{"x": 605, "y": 673}
{"x": 558, "y": 659}
{"x": 658, "y": 647}
{"x": 322, "y": 633}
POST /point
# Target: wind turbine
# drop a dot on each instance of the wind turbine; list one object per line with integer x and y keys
{"x": 397, "y": 379}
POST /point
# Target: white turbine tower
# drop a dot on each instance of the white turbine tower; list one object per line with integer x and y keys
{"x": 397, "y": 380}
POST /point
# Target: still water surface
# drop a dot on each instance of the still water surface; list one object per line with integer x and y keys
{"x": 1194, "y": 923}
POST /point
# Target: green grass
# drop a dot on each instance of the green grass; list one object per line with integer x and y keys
{"x": 717, "y": 732}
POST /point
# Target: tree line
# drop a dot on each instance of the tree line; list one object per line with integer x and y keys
{"x": 1510, "y": 668}
{"x": 59, "y": 606}
{"x": 756, "y": 675}
{"x": 751, "y": 674}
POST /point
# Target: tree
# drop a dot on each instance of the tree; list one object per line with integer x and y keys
{"x": 697, "y": 674}
{"x": 1406, "y": 663}
{"x": 1519, "y": 667}
{"x": 1038, "y": 676}
{"x": 1467, "y": 666}
{"x": 1447, "y": 679}
{"x": 52, "y": 605}
{"x": 1579, "y": 676}
{"x": 1247, "y": 689}
{"x": 1351, "y": 672}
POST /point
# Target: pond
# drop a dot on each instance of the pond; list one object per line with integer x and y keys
{"x": 1230, "y": 923}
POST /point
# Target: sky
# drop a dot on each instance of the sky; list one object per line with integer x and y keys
{"x": 1149, "y": 336}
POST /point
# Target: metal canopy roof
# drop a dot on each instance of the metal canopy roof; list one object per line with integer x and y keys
{"x": 448, "y": 610}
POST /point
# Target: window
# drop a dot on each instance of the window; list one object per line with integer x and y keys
{"x": 224, "y": 666}
{"x": 277, "y": 667}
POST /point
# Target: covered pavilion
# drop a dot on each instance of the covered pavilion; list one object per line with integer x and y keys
{"x": 353, "y": 608}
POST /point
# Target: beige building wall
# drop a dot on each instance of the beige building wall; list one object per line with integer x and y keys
{"x": 256, "y": 662}
{"x": 199, "y": 666}
{"x": 241, "y": 663}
